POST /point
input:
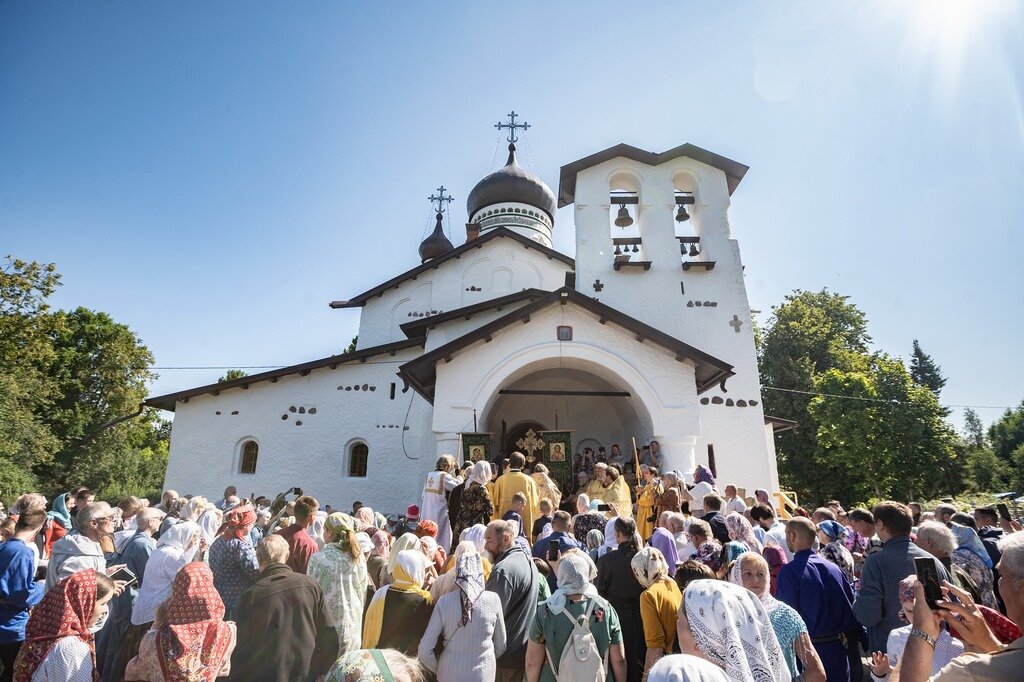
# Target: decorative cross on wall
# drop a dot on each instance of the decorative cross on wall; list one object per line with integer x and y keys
{"x": 441, "y": 200}
{"x": 512, "y": 127}
{"x": 736, "y": 323}
{"x": 598, "y": 286}
{"x": 530, "y": 443}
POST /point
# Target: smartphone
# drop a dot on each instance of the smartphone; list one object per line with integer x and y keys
{"x": 124, "y": 574}
{"x": 552, "y": 550}
{"x": 928, "y": 576}
{"x": 603, "y": 507}
{"x": 1004, "y": 513}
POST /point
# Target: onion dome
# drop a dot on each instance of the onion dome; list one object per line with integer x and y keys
{"x": 511, "y": 184}
{"x": 436, "y": 244}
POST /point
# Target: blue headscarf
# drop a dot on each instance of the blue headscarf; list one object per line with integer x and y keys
{"x": 969, "y": 540}
{"x": 703, "y": 475}
{"x": 60, "y": 512}
{"x": 832, "y": 529}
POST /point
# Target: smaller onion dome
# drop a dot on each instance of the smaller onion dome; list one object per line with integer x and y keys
{"x": 436, "y": 244}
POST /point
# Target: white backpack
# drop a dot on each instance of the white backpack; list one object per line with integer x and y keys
{"x": 580, "y": 661}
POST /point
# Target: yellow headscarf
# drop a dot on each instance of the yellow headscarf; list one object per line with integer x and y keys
{"x": 410, "y": 568}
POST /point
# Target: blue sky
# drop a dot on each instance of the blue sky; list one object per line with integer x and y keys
{"x": 212, "y": 174}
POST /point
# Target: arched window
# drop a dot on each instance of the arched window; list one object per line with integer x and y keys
{"x": 250, "y": 452}
{"x": 358, "y": 454}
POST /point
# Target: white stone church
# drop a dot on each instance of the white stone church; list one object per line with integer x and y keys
{"x": 646, "y": 334}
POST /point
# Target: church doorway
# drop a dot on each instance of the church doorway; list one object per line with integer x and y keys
{"x": 512, "y": 436}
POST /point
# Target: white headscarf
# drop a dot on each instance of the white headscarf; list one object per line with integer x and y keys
{"x": 475, "y": 534}
{"x": 575, "y": 575}
{"x": 164, "y": 563}
{"x": 480, "y": 473}
{"x": 365, "y": 543}
{"x": 414, "y": 563}
{"x": 209, "y": 524}
{"x": 685, "y": 668}
{"x": 610, "y": 542}
{"x": 469, "y": 578}
{"x": 583, "y": 504}
{"x": 732, "y": 629}
{"x": 194, "y": 508}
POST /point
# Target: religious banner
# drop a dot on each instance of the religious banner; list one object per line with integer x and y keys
{"x": 557, "y": 456}
{"x": 476, "y": 446}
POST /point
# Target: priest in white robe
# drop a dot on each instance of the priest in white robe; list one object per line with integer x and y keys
{"x": 435, "y": 498}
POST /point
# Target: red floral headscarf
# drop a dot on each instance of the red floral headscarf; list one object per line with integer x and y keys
{"x": 194, "y": 641}
{"x": 238, "y": 521}
{"x": 65, "y": 611}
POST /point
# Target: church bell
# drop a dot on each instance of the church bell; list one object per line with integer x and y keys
{"x": 681, "y": 215}
{"x": 623, "y": 219}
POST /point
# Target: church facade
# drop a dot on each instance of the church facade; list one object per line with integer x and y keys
{"x": 645, "y": 334}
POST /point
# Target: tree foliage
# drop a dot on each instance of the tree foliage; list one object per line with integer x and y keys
{"x": 231, "y": 375}
{"x": 71, "y": 388}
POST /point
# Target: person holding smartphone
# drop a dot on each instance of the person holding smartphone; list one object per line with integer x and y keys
{"x": 555, "y": 544}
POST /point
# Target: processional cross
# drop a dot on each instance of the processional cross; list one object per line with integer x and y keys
{"x": 530, "y": 443}
{"x": 512, "y": 127}
{"x": 442, "y": 201}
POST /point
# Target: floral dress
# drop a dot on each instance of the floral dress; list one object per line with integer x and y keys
{"x": 343, "y": 581}
{"x": 476, "y": 507}
{"x": 981, "y": 574}
{"x": 837, "y": 553}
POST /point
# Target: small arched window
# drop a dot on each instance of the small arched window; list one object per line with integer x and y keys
{"x": 250, "y": 452}
{"x": 358, "y": 455}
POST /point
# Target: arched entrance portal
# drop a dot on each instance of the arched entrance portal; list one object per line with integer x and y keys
{"x": 599, "y": 410}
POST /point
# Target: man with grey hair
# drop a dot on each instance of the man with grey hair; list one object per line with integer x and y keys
{"x": 284, "y": 627}
{"x": 994, "y": 661}
{"x": 514, "y": 579}
{"x": 82, "y": 550}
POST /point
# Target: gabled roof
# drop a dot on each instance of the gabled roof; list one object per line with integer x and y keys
{"x": 420, "y": 326}
{"x": 500, "y": 232}
{"x": 734, "y": 171}
{"x": 168, "y": 401}
{"x": 421, "y": 373}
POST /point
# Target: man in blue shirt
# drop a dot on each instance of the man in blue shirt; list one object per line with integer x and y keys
{"x": 19, "y": 590}
{"x": 560, "y": 534}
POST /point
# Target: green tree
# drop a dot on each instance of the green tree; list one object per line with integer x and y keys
{"x": 926, "y": 372}
{"x": 25, "y": 391}
{"x": 231, "y": 375}
{"x": 974, "y": 430}
{"x": 352, "y": 344}
{"x": 887, "y": 435}
{"x": 1007, "y": 433}
{"x": 808, "y": 334}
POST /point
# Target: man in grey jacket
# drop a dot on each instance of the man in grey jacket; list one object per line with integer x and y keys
{"x": 79, "y": 551}
{"x": 515, "y": 580}
{"x": 878, "y": 604}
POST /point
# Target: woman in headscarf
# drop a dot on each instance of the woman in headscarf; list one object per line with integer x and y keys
{"x": 209, "y": 525}
{"x": 340, "y": 571}
{"x": 663, "y": 539}
{"x": 233, "y": 557}
{"x": 707, "y": 549}
{"x": 190, "y": 640}
{"x": 475, "y": 506}
{"x": 595, "y": 538}
{"x": 171, "y": 554}
{"x": 546, "y": 486}
{"x": 58, "y": 521}
{"x": 728, "y": 626}
{"x": 971, "y": 557}
{"x": 703, "y": 485}
{"x": 659, "y": 603}
{"x": 366, "y": 521}
{"x": 762, "y": 497}
{"x": 469, "y": 624}
{"x": 751, "y": 572}
{"x": 436, "y": 556}
{"x": 670, "y": 499}
{"x": 362, "y": 665}
{"x": 587, "y": 518}
{"x": 617, "y": 583}
{"x": 399, "y": 613}
{"x": 377, "y": 561}
{"x": 830, "y": 535}
{"x": 686, "y": 668}
{"x": 445, "y": 582}
{"x": 58, "y": 642}
{"x": 575, "y": 598}
{"x": 776, "y": 559}
{"x": 407, "y": 541}
{"x": 741, "y": 531}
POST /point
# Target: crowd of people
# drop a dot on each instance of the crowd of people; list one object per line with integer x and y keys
{"x": 502, "y": 575}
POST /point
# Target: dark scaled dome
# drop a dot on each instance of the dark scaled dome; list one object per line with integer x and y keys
{"x": 436, "y": 244}
{"x": 512, "y": 183}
